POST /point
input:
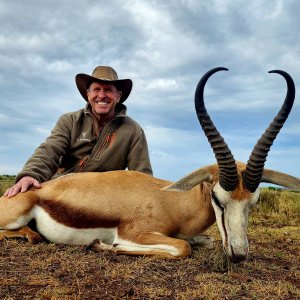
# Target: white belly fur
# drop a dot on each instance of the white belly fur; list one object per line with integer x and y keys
{"x": 60, "y": 234}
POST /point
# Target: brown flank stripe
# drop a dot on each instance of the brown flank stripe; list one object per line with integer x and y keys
{"x": 75, "y": 217}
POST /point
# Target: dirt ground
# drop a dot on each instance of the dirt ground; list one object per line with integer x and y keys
{"x": 48, "y": 271}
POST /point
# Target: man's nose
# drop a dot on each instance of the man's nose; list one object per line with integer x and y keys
{"x": 101, "y": 93}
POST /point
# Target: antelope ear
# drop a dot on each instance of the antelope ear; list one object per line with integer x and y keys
{"x": 281, "y": 179}
{"x": 201, "y": 175}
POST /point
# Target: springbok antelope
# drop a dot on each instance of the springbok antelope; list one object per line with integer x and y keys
{"x": 133, "y": 213}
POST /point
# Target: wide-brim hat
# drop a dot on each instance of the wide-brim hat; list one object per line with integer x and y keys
{"x": 103, "y": 74}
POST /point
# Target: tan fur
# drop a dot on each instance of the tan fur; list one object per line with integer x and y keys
{"x": 24, "y": 232}
{"x": 11, "y": 209}
{"x": 240, "y": 193}
{"x": 133, "y": 202}
{"x": 183, "y": 248}
{"x": 145, "y": 211}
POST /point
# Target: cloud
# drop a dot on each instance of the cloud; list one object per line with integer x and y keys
{"x": 165, "y": 47}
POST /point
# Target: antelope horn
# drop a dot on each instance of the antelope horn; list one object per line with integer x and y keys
{"x": 255, "y": 165}
{"x": 228, "y": 176}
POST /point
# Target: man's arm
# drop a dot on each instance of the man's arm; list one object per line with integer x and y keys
{"x": 43, "y": 164}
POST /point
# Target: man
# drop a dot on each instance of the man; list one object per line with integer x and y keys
{"x": 98, "y": 138}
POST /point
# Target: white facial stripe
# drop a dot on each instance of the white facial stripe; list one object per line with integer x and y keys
{"x": 221, "y": 194}
{"x": 232, "y": 220}
{"x": 236, "y": 219}
{"x": 220, "y": 223}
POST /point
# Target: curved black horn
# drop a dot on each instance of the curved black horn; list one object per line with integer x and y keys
{"x": 227, "y": 167}
{"x": 259, "y": 154}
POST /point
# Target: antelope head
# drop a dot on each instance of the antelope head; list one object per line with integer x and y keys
{"x": 235, "y": 185}
{"x": 237, "y": 188}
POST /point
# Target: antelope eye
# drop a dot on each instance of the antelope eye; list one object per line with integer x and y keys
{"x": 217, "y": 202}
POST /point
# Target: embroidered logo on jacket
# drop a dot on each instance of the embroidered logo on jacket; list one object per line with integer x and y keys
{"x": 83, "y": 137}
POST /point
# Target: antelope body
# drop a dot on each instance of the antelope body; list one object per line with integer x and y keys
{"x": 134, "y": 213}
{"x": 136, "y": 216}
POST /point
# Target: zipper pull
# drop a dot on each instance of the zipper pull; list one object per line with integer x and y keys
{"x": 108, "y": 138}
{"x": 82, "y": 163}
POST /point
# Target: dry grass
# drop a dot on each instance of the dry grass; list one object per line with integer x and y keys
{"x": 5, "y": 183}
{"x": 47, "y": 271}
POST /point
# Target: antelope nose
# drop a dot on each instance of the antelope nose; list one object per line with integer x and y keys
{"x": 238, "y": 255}
{"x": 237, "y": 258}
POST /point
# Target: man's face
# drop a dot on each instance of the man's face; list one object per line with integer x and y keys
{"x": 103, "y": 98}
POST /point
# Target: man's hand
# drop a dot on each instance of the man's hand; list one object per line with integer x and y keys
{"x": 22, "y": 186}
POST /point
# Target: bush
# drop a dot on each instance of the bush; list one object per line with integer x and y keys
{"x": 282, "y": 207}
{"x": 269, "y": 200}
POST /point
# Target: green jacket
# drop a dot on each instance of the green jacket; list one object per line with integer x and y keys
{"x": 77, "y": 145}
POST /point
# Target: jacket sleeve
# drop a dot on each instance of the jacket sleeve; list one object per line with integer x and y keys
{"x": 43, "y": 164}
{"x": 138, "y": 157}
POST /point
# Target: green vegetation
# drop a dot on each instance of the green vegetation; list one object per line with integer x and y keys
{"x": 5, "y": 182}
{"x": 7, "y": 177}
{"x": 279, "y": 206}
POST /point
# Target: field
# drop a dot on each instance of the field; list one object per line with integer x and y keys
{"x": 272, "y": 271}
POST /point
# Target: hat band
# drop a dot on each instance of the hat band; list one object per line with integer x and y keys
{"x": 107, "y": 79}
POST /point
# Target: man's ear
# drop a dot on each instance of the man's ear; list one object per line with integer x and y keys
{"x": 120, "y": 93}
{"x": 87, "y": 95}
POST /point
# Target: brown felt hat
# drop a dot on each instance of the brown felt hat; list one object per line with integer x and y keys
{"x": 103, "y": 74}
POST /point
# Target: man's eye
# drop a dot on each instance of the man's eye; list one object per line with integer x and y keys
{"x": 217, "y": 202}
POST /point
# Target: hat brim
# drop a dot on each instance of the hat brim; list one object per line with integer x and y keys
{"x": 83, "y": 81}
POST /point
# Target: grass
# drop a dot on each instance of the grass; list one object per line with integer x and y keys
{"x": 272, "y": 271}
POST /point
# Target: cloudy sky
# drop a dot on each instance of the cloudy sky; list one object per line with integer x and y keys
{"x": 164, "y": 47}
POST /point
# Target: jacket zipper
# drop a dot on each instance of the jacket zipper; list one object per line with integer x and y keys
{"x": 96, "y": 152}
{"x": 83, "y": 162}
{"x": 106, "y": 141}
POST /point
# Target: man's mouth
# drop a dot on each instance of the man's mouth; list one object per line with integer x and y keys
{"x": 101, "y": 102}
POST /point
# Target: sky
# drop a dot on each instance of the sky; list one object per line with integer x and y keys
{"x": 165, "y": 47}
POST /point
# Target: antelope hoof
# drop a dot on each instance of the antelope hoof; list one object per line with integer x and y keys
{"x": 35, "y": 238}
{"x": 24, "y": 232}
{"x": 93, "y": 245}
{"x": 204, "y": 241}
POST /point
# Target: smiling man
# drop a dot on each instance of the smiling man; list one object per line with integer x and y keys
{"x": 98, "y": 138}
{"x": 103, "y": 99}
